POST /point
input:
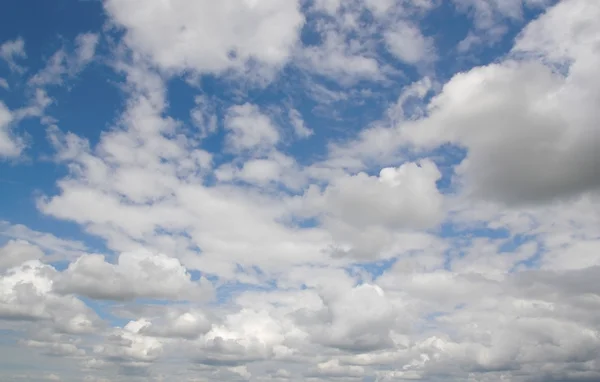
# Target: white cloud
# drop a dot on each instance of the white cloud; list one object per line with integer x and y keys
{"x": 528, "y": 126}
{"x": 408, "y": 44}
{"x": 54, "y": 247}
{"x": 490, "y": 18}
{"x": 12, "y": 50}
{"x": 26, "y": 293}
{"x": 86, "y": 44}
{"x": 207, "y": 36}
{"x": 488, "y": 13}
{"x": 273, "y": 170}
{"x": 204, "y": 117}
{"x": 62, "y": 64}
{"x": 10, "y": 145}
{"x": 333, "y": 369}
{"x": 127, "y": 346}
{"x": 349, "y": 267}
{"x": 177, "y": 323}
{"x": 344, "y": 326}
{"x": 135, "y": 275}
{"x": 250, "y": 129}
{"x": 16, "y": 252}
{"x": 403, "y": 197}
{"x": 540, "y": 118}
{"x": 300, "y": 128}
{"x": 337, "y": 59}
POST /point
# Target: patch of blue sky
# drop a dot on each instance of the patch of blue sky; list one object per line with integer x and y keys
{"x": 512, "y": 244}
{"x": 451, "y": 230}
{"x": 374, "y": 268}
{"x": 227, "y": 291}
{"x": 105, "y": 311}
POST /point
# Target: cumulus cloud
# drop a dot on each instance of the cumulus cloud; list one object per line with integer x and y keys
{"x": 210, "y": 37}
{"x": 436, "y": 228}
{"x": 250, "y": 129}
{"x": 16, "y": 252}
{"x": 529, "y": 130}
{"x": 27, "y": 293}
{"x": 135, "y": 275}
{"x": 54, "y": 247}
{"x": 127, "y": 346}
{"x": 406, "y": 196}
{"x": 406, "y": 42}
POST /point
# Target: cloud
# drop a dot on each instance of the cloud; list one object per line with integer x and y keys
{"x": 177, "y": 323}
{"x": 436, "y": 228}
{"x": 55, "y": 248}
{"x": 490, "y": 17}
{"x": 334, "y": 59}
{"x": 208, "y": 37}
{"x": 26, "y": 293}
{"x": 135, "y": 275}
{"x": 10, "y": 51}
{"x": 250, "y": 129}
{"x": 367, "y": 216}
{"x": 366, "y": 330}
{"x": 16, "y": 252}
{"x": 298, "y": 124}
{"x": 10, "y": 145}
{"x": 399, "y": 197}
{"x": 527, "y": 128}
{"x": 127, "y": 346}
{"x": 62, "y": 64}
{"x": 545, "y": 120}
{"x": 408, "y": 44}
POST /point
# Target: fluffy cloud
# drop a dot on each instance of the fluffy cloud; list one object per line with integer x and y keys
{"x": 127, "y": 346}
{"x": 135, "y": 275}
{"x": 528, "y": 125}
{"x": 426, "y": 230}
{"x": 341, "y": 326}
{"x": 406, "y": 42}
{"x": 54, "y": 247}
{"x": 406, "y": 196}
{"x": 250, "y": 129}
{"x": 370, "y": 216}
{"x": 210, "y": 37}
{"x": 27, "y": 293}
{"x": 529, "y": 130}
{"x": 16, "y": 252}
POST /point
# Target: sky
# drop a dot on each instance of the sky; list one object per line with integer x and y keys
{"x": 299, "y": 190}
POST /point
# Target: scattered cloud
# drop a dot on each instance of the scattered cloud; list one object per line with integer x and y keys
{"x": 295, "y": 191}
{"x": 62, "y": 64}
{"x": 11, "y": 51}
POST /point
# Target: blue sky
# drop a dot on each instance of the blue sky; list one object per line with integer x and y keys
{"x": 291, "y": 190}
